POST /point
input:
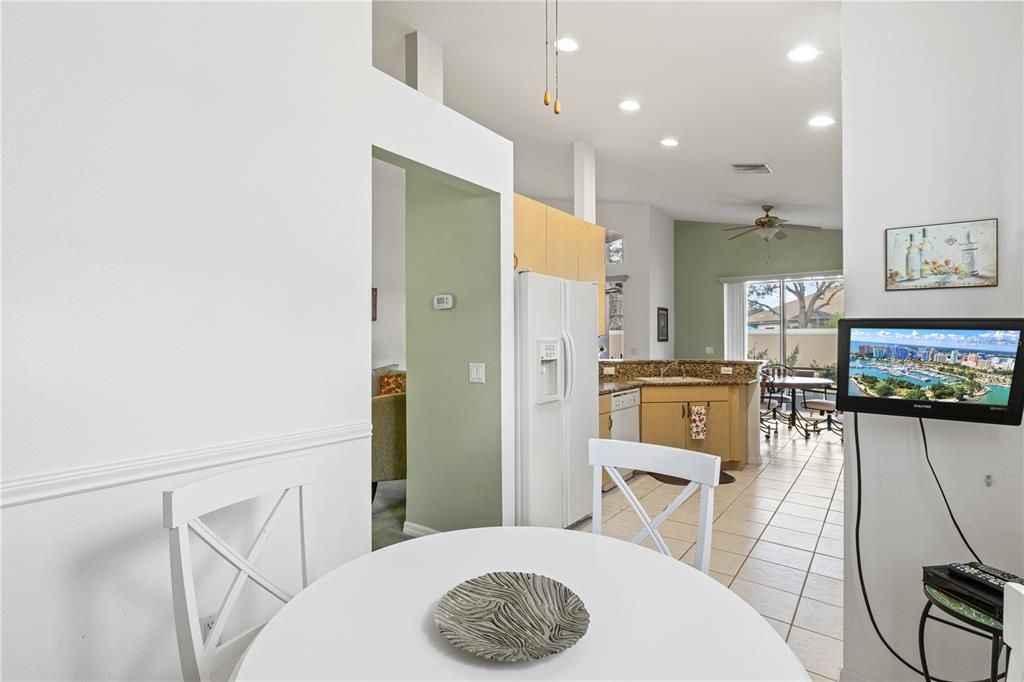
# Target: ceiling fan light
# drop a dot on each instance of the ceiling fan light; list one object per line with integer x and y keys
{"x": 567, "y": 45}
{"x": 803, "y": 53}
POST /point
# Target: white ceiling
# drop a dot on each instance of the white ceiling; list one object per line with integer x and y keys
{"x": 715, "y": 75}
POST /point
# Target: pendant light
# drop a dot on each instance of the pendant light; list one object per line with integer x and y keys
{"x": 558, "y": 102}
{"x": 547, "y": 51}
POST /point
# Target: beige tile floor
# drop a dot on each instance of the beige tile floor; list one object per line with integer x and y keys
{"x": 777, "y": 540}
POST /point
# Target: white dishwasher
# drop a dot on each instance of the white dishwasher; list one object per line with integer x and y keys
{"x": 625, "y": 423}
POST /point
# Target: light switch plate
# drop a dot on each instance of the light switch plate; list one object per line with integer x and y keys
{"x": 477, "y": 373}
{"x": 726, "y": 370}
{"x": 608, "y": 370}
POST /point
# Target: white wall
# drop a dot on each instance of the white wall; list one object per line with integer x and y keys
{"x": 662, "y": 282}
{"x": 388, "y": 274}
{"x": 648, "y": 260}
{"x": 187, "y": 235}
{"x": 933, "y": 110}
{"x": 633, "y": 222}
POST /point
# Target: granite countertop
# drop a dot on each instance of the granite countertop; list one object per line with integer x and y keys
{"x": 723, "y": 380}
{"x": 684, "y": 371}
{"x": 607, "y": 387}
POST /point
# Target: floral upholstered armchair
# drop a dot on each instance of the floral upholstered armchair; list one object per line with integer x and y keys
{"x": 388, "y": 448}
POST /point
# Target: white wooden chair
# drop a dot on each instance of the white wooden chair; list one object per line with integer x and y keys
{"x": 201, "y": 656}
{"x": 1013, "y": 630}
{"x": 700, "y": 469}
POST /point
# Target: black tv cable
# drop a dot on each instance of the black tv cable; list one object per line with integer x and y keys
{"x": 856, "y": 538}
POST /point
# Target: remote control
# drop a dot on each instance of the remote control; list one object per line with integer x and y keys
{"x": 986, "y": 575}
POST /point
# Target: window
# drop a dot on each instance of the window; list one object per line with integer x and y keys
{"x": 613, "y": 248}
{"x": 614, "y": 299}
{"x": 793, "y": 321}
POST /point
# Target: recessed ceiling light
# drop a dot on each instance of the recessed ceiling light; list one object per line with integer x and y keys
{"x": 567, "y": 45}
{"x": 629, "y": 105}
{"x": 804, "y": 53}
{"x": 821, "y": 121}
{"x": 669, "y": 142}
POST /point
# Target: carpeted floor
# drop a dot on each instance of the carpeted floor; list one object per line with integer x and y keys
{"x": 389, "y": 514}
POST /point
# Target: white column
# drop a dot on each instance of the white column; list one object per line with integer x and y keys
{"x": 424, "y": 65}
{"x": 584, "y": 195}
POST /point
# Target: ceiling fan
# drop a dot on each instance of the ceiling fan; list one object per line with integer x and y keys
{"x": 768, "y": 226}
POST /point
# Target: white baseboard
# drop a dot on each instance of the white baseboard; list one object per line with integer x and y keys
{"x": 846, "y": 676}
{"x": 416, "y": 530}
{"x": 38, "y": 487}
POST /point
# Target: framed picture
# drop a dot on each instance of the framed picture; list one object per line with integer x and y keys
{"x": 373, "y": 304}
{"x": 942, "y": 256}
{"x": 662, "y": 324}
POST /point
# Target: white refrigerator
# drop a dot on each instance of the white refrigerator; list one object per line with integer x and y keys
{"x": 556, "y": 391}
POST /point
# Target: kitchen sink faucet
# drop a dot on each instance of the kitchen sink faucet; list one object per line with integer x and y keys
{"x": 666, "y": 368}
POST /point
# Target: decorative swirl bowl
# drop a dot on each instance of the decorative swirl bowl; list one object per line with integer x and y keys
{"x": 511, "y": 617}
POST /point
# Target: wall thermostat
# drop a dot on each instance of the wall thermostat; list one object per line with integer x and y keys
{"x": 444, "y": 301}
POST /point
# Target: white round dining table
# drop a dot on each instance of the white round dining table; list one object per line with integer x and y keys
{"x": 651, "y": 617}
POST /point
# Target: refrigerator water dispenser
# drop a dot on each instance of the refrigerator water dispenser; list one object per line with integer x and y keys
{"x": 549, "y": 374}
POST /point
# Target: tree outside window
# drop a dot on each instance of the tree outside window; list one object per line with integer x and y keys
{"x": 782, "y": 316}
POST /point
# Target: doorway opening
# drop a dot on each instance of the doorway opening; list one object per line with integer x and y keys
{"x": 388, "y": 450}
{"x": 436, "y": 453}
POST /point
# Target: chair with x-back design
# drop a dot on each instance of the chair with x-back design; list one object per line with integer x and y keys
{"x": 700, "y": 469}
{"x": 201, "y": 656}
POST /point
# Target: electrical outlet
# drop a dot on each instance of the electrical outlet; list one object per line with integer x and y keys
{"x": 609, "y": 370}
{"x": 726, "y": 370}
{"x": 709, "y": 350}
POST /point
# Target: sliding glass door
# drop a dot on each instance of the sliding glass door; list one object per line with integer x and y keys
{"x": 793, "y": 320}
{"x": 764, "y": 329}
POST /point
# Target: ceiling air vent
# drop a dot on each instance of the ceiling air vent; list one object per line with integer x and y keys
{"x": 751, "y": 168}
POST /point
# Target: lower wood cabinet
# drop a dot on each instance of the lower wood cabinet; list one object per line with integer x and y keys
{"x": 665, "y": 420}
{"x": 664, "y": 424}
{"x": 604, "y": 417}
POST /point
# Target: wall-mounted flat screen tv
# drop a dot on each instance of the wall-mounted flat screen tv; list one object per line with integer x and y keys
{"x": 960, "y": 369}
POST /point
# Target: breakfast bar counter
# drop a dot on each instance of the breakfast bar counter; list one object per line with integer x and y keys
{"x": 708, "y": 406}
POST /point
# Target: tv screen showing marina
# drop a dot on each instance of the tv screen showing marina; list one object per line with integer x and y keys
{"x": 944, "y": 365}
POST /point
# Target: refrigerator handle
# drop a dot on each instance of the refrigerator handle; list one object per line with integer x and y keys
{"x": 570, "y": 365}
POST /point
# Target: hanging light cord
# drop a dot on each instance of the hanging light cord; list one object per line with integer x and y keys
{"x": 556, "y": 52}
{"x": 547, "y": 45}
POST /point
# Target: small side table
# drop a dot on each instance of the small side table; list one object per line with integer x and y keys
{"x": 982, "y": 625}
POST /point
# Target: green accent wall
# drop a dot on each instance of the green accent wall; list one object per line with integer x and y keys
{"x": 453, "y": 426}
{"x": 702, "y": 256}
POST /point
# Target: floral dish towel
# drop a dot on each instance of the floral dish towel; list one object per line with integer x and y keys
{"x": 698, "y": 422}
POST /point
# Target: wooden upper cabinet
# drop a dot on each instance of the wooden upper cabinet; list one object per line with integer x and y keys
{"x": 531, "y": 240}
{"x": 564, "y": 234}
{"x": 592, "y": 267}
{"x": 556, "y": 243}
